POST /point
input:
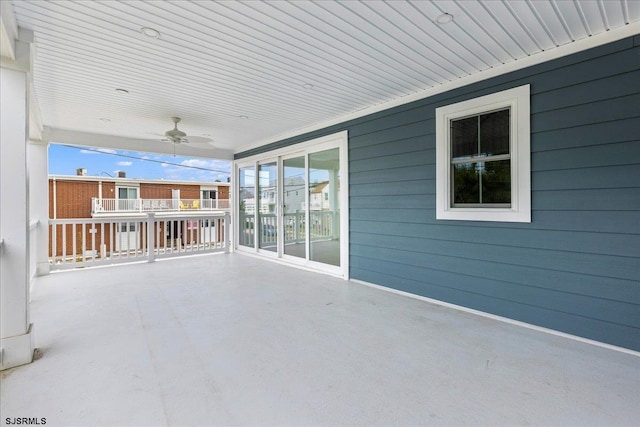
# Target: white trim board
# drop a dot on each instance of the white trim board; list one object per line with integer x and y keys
{"x": 500, "y": 318}
{"x": 629, "y": 30}
{"x": 288, "y": 263}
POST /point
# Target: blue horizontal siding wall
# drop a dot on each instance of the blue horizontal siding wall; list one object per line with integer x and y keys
{"x": 576, "y": 266}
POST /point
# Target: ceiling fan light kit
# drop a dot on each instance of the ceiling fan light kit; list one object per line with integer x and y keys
{"x": 175, "y": 135}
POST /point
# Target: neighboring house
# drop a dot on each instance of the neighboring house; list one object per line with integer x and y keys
{"x": 319, "y": 197}
{"x": 83, "y": 196}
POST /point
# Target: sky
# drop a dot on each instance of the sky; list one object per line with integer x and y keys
{"x": 64, "y": 160}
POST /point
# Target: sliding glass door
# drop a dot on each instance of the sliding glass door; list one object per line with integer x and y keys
{"x": 294, "y": 176}
{"x": 268, "y": 206}
{"x": 324, "y": 206}
{"x": 296, "y": 201}
{"x": 246, "y": 206}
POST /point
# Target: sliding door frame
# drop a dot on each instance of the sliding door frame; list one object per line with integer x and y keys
{"x": 337, "y": 140}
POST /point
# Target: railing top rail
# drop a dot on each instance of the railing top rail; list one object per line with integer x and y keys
{"x": 166, "y": 200}
{"x": 139, "y": 217}
{"x": 107, "y": 206}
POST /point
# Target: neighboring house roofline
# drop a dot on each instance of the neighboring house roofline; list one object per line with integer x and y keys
{"x": 317, "y": 188}
{"x": 135, "y": 180}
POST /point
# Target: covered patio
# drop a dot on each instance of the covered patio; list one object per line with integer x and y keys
{"x": 230, "y": 339}
{"x": 518, "y": 308}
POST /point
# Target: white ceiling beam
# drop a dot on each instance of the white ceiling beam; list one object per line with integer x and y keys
{"x": 36, "y": 126}
{"x": 86, "y": 139}
{"x": 8, "y": 30}
{"x": 21, "y": 58}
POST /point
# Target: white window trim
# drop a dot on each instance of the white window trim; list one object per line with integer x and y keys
{"x": 517, "y": 99}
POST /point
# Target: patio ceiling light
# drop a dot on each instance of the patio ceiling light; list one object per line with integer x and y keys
{"x": 445, "y": 18}
{"x": 307, "y": 86}
{"x": 150, "y": 32}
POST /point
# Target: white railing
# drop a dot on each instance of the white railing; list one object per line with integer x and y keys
{"x": 324, "y": 226}
{"x": 98, "y": 241}
{"x": 106, "y": 206}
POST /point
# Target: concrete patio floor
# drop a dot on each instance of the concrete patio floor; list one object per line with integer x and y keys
{"x": 235, "y": 340}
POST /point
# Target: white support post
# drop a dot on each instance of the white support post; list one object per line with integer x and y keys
{"x": 16, "y": 331}
{"x": 37, "y": 160}
{"x": 227, "y": 224}
{"x": 151, "y": 219}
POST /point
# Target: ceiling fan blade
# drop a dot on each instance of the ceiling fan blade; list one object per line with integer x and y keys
{"x": 198, "y": 140}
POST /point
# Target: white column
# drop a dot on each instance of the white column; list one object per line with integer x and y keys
{"x": 37, "y": 161}
{"x": 16, "y": 338}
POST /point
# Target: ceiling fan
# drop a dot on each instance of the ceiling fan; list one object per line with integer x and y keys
{"x": 176, "y": 136}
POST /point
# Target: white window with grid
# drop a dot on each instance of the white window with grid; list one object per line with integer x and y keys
{"x": 483, "y": 170}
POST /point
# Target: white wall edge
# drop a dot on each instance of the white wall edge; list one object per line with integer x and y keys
{"x": 500, "y": 318}
{"x": 628, "y": 30}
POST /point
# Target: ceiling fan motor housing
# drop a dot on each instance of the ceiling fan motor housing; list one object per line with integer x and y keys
{"x": 175, "y": 135}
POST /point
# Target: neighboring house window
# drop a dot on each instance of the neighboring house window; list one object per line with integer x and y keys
{"x": 209, "y": 194}
{"x": 127, "y": 198}
{"x": 483, "y": 170}
{"x": 127, "y": 193}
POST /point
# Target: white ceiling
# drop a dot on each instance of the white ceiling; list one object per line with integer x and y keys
{"x": 216, "y": 62}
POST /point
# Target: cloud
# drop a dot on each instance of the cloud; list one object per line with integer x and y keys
{"x": 195, "y": 163}
{"x": 98, "y": 151}
{"x": 124, "y": 163}
{"x": 164, "y": 165}
{"x": 188, "y": 170}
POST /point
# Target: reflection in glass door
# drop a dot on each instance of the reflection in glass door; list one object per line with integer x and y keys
{"x": 324, "y": 208}
{"x": 294, "y": 216}
{"x": 267, "y": 206}
{"x": 247, "y": 209}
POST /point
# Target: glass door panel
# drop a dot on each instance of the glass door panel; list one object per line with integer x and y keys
{"x": 247, "y": 201}
{"x": 127, "y": 199}
{"x": 294, "y": 216}
{"x": 267, "y": 206}
{"x": 324, "y": 209}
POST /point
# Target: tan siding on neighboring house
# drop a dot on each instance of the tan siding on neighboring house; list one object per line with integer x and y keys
{"x": 223, "y": 192}
{"x": 156, "y": 191}
{"x": 163, "y": 191}
{"x": 74, "y": 198}
{"x": 108, "y": 190}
